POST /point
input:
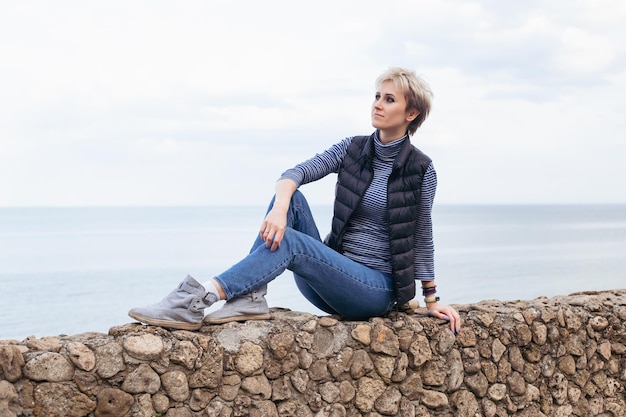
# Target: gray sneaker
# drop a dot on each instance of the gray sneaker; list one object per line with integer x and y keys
{"x": 251, "y": 306}
{"x": 182, "y": 309}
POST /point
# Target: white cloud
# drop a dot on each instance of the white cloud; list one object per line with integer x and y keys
{"x": 583, "y": 53}
{"x": 142, "y": 102}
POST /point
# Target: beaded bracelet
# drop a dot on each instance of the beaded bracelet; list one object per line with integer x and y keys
{"x": 429, "y": 290}
{"x": 432, "y": 299}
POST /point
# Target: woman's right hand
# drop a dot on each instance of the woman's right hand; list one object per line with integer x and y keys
{"x": 275, "y": 223}
{"x": 273, "y": 227}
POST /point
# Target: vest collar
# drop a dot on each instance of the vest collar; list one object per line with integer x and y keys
{"x": 403, "y": 156}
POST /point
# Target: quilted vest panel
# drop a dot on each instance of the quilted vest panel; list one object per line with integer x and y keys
{"x": 403, "y": 196}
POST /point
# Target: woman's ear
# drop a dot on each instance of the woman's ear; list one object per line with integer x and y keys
{"x": 411, "y": 115}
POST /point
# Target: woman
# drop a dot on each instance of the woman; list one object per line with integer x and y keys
{"x": 381, "y": 239}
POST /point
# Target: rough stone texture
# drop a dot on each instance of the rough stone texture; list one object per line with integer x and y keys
{"x": 49, "y": 366}
{"x": 142, "y": 379}
{"x": 81, "y": 356}
{"x": 145, "y": 346}
{"x": 176, "y": 385}
{"x": 8, "y": 394}
{"x": 113, "y": 403}
{"x": 61, "y": 400}
{"x": 558, "y": 357}
{"x": 11, "y": 362}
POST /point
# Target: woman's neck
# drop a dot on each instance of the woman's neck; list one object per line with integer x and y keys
{"x": 386, "y": 136}
{"x": 388, "y": 151}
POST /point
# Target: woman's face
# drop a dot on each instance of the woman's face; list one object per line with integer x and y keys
{"x": 389, "y": 113}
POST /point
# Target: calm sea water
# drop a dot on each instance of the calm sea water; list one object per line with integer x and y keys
{"x": 73, "y": 270}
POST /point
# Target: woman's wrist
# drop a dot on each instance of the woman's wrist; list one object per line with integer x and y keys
{"x": 429, "y": 291}
{"x": 280, "y": 205}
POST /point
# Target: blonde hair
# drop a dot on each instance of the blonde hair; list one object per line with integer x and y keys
{"x": 416, "y": 90}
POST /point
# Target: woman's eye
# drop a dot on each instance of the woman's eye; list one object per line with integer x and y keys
{"x": 377, "y": 96}
{"x": 390, "y": 100}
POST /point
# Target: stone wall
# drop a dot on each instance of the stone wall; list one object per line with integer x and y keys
{"x": 564, "y": 356}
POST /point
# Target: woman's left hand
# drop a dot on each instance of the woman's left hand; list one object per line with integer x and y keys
{"x": 445, "y": 312}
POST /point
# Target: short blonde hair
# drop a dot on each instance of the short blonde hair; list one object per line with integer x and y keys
{"x": 416, "y": 90}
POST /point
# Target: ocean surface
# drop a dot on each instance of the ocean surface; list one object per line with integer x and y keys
{"x": 74, "y": 270}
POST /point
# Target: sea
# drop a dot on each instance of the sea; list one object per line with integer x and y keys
{"x": 65, "y": 271}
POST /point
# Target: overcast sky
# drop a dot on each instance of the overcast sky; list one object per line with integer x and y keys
{"x": 207, "y": 102}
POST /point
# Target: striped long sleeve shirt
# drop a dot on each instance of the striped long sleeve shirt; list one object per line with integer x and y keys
{"x": 367, "y": 239}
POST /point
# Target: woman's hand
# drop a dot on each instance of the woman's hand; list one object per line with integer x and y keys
{"x": 273, "y": 227}
{"x": 445, "y": 312}
{"x": 275, "y": 223}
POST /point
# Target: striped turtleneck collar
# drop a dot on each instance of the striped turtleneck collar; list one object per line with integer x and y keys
{"x": 389, "y": 151}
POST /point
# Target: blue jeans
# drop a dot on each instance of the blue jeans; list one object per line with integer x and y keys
{"x": 329, "y": 280}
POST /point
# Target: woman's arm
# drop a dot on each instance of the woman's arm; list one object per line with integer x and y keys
{"x": 275, "y": 222}
{"x": 424, "y": 254}
{"x": 322, "y": 164}
{"x": 424, "y": 244}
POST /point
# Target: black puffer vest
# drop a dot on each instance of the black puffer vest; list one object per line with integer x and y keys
{"x": 403, "y": 196}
